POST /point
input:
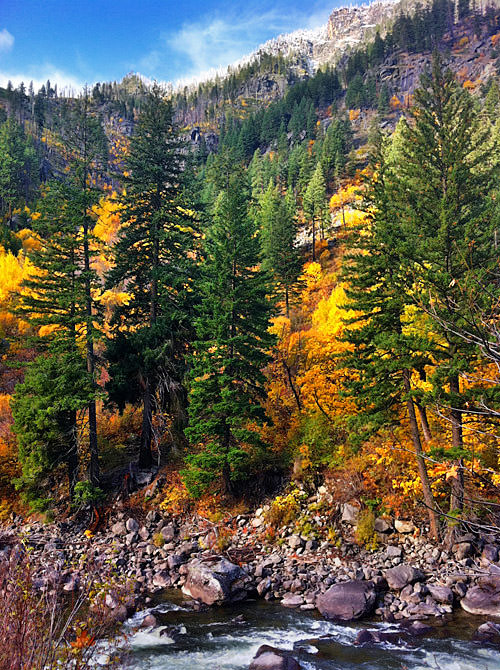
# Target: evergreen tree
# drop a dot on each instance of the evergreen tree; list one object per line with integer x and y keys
{"x": 86, "y": 142}
{"x": 280, "y": 255}
{"x": 54, "y": 299}
{"x": 230, "y": 351}
{"x": 450, "y": 226}
{"x": 18, "y": 177}
{"x": 46, "y": 406}
{"x": 152, "y": 260}
{"x": 383, "y": 356}
{"x": 315, "y": 205}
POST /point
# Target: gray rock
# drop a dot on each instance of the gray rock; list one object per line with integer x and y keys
{"x": 350, "y": 513}
{"x": 418, "y": 628}
{"x": 347, "y": 601}
{"x": 168, "y": 532}
{"x": 462, "y": 550}
{"x": 162, "y": 580}
{"x": 488, "y": 632}
{"x": 268, "y": 658}
{"x": 175, "y": 560}
{"x": 118, "y": 528}
{"x": 382, "y": 525}
{"x": 294, "y": 541}
{"x": 215, "y": 582}
{"x": 292, "y": 600}
{"x": 484, "y": 598}
{"x": 441, "y": 594}
{"x": 402, "y": 575}
{"x": 490, "y": 553}
{"x": 149, "y": 621}
{"x": 393, "y": 552}
{"x": 132, "y": 526}
{"x": 404, "y": 527}
{"x": 264, "y": 586}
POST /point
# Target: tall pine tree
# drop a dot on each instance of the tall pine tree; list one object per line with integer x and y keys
{"x": 231, "y": 347}
{"x": 154, "y": 262}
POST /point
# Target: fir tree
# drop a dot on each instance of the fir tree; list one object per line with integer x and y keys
{"x": 152, "y": 261}
{"x": 280, "y": 255}
{"x": 230, "y": 351}
{"x": 54, "y": 299}
{"x": 315, "y": 206}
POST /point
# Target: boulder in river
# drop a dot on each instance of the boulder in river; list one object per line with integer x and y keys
{"x": 488, "y": 632}
{"x": 348, "y": 601}
{"x": 215, "y": 582}
{"x": 268, "y": 658}
{"x": 484, "y": 598}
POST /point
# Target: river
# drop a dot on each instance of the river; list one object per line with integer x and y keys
{"x": 227, "y": 639}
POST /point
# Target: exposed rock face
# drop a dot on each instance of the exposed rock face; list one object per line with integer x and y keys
{"x": 268, "y": 658}
{"x": 215, "y": 582}
{"x": 402, "y": 575}
{"x": 483, "y": 599}
{"x": 347, "y": 601}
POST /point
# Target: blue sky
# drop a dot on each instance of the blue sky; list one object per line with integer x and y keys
{"x": 73, "y": 42}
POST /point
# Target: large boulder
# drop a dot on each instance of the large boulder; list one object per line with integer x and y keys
{"x": 268, "y": 658}
{"x": 402, "y": 575}
{"x": 348, "y": 601}
{"x": 484, "y": 598}
{"x": 488, "y": 632}
{"x": 215, "y": 582}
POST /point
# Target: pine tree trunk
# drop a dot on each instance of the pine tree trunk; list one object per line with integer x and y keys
{"x": 422, "y": 468}
{"x": 314, "y": 238}
{"x": 457, "y": 487}
{"x": 145, "y": 456}
{"x": 287, "y": 302}
{"x": 94, "y": 475}
{"x": 226, "y": 469}
{"x": 424, "y": 422}
{"x": 72, "y": 458}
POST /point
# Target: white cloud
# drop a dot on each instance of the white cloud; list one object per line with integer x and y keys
{"x": 39, "y": 75}
{"x": 6, "y": 41}
{"x": 213, "y": 42}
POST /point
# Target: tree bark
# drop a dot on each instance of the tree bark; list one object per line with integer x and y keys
{"x": 424, "y": 422}
{"x": 457, "y": 486}
{"x": 72, "y": 457}
{"x": 145, "y": 456}
{"x": 94, "y": 474}
{"x": 422, "y": 469}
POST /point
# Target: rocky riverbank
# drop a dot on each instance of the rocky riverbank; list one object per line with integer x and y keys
{"x": 406, "y": 578}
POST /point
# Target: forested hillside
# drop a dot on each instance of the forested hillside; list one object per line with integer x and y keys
{"x": 280, "y": 277}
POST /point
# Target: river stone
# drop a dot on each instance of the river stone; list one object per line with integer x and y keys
{"x": 402, "y": 575}
{"x": 404, "y": 526}
{"x": 292, "y": 600}
{"x": 442, "y": 594}
{"x": 268, "y": 658}
{"x": 347, "y": 601}
{"x": 483, "y": 599}
{"x": 488, "y": 632}
{"x": 215, "y": 582}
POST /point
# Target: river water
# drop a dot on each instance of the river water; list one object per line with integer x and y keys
{"x": 227, "y": 639}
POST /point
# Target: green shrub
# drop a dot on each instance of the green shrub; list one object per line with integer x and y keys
{"x": 365, "y": 530}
